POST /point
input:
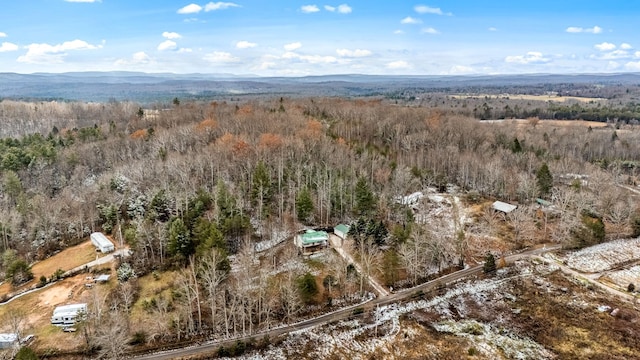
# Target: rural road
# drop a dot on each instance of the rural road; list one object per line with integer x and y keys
{"x": 340, "y": 314}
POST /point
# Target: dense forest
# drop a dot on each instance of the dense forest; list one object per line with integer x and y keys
{"x": 191, "y": 186}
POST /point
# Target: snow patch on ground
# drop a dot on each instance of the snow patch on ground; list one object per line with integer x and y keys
{"x": 604, "y": 256}
{"x": 493, "y": 342}
{"x": 277, "y": 237}
{"x": 625, "y": 277}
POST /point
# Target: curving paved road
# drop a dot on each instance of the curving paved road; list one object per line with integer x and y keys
{"x": 340, "y": 314}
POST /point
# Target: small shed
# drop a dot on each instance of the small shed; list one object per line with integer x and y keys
{"x": 341, "y": 231}
{"x": 101, "y": 242}
{"x": 543, "y": 202}
{"x": 8, "y": 340}
{"x": 102, "y": 278}
{"x": 503, "y": 207}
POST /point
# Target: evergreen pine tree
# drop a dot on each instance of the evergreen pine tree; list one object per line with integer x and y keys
{"x": 489, "y": 264}
{"x": 544, "y": 180}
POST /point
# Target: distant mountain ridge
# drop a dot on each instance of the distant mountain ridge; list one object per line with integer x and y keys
{"x": 146, "y": 87}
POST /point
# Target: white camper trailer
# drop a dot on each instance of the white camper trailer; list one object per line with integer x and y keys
{"x": 101, "y": 242}
{"x": 68, "y": 315}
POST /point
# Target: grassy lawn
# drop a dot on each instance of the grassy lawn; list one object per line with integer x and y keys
{"x": 66, "y": 260}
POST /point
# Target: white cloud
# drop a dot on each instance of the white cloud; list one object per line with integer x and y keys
{"x": 423, "y": 9}
{"x": 398, "y": 32}
{"x": 429, "y": 30}
{"x": 613, "y": 65}
{"x": 308, "y": 9}
{"x": 190, "y": 9}
{"x": 632, "y": 66}
{"x": 245, "y": 45}
{"x": 171, "y": 35}
{"x": 344, "y": 9}
{"x": 410, "y": 20}
{"x": 400, "y": 64}
{"x": 532, "y": 57}
{"x": 493, "y": 29}
{"x": 83, "y": 1}
{"x": 312, "y": 59}
{"x": 185, "y": 50}
{"x": 221, "y": 57}
{"x": 7, "y": 46}
{"x": 625, "y": 46}
{"x": 167, "y": 45}
{"x": 293, "y": 46}
{"x": 636, "y": 54}
{"x": 45, "y": 53}
{"x": 612, "y": 55}
{"x": 139, "y": 58}
{"x": 576, "y": 30}
{"x": 3, "y": 35}
{"x": 605, "y": 46}
{"x": 617, "y": 54}
{"x": 330, "y": 8}
{"x": 266, "y": 65}
{"x": 357, "y": 53}
{"x": 213, "y": 6}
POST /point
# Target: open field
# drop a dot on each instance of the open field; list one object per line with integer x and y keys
{"x": 548, "y": 123}
{"x": 553, "y": 98}
{"x": 605, "y": 256}
{"x": 65, "y": 260}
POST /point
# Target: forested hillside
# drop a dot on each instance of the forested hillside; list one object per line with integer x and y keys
{"x": 186, "y": 185}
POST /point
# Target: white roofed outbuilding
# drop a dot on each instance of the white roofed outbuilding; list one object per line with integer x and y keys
{"x": 8, "y": 340}
{"x": 100, "y": 241}
{"x": 503, "y": 207}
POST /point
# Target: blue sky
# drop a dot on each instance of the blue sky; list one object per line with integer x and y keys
{"x": 297, "y": 38}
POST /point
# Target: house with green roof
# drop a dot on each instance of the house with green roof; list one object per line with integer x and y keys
{"x": 311, "y": 241}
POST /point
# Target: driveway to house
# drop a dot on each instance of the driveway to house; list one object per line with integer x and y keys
{"x": 101, "y": 261}
{"x": 336, "y": 243}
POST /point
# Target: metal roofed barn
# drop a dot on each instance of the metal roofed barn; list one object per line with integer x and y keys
{"x": 101, "y": 242}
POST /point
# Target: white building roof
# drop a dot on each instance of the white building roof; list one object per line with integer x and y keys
{"x": 410, "y": 199}
{"x": 69, "y": 309}
{"x": 503, "y": 206}
{"x": 101, "y": 240}
{"x": 103, "y": 278}
{"x": 8, "y": 338}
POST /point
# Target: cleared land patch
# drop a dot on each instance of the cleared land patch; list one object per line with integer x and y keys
{"x": 554, "y": 98}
